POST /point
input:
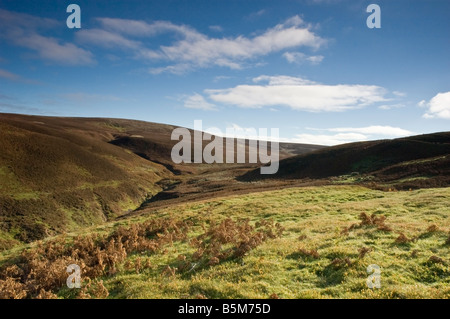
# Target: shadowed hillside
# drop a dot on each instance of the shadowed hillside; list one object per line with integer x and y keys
{"x": 412, "y": 162}
{"x": 58, "y": 174}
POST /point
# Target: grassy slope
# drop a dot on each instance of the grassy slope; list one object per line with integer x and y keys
{"x": 320, "y": 214}
{"x": 314, "y": 219}
{"x": 55, "y": 177}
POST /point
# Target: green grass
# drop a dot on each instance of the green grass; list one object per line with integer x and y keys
{"x": 314, "y": 219}
{"x": 421, "y": 161}
{"x": 112, "y": 125}
{"x": 318, "y": 215}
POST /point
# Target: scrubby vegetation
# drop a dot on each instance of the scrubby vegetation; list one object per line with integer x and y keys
{"x": 314, "y": 242}
{"x": 41, "y": 271}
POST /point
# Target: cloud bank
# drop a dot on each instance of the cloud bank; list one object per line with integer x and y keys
{"x": 342, "y": 135}
{"x": 298, "y": 94}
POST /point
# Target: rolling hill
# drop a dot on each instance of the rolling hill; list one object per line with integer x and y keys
{"x": 411, "y": 162}
{"x": 59, "y": 174}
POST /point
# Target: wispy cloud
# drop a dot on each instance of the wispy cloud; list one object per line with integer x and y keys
{"x": 139, "y": 28}
{"x": 106, "y": 39}
{"x": 399, "y": 94}
{"x": 299, "y": 94}
{"x": 299, "y": 58}
{"x": 174, "y": 69}
{"x": 16, "y": 78}
{"x": 195, "y": 49}
{"x": 197, "y": 101}
{"x": 256, "y": 14}
{"x": 81, "y": 97}
{"x": 216, "y": 28}
{"x": 8, "y": 75}
{"x": 25, "y": 30}
{"x": 391, "y": 106}
{"x": 218, "y": 78}
{"x": 51, "y": 50}
{"x": 438, "y": 106}
{"x": 6, "y": 97}
{"x": 20, "y": 108}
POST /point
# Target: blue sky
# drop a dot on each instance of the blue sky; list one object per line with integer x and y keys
{"x": 311, "y": 68}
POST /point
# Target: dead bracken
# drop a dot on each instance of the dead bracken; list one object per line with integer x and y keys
{"x": 41, "y": 271}
{"x": 373, "y": 220}
{"x": 363, "y": 251}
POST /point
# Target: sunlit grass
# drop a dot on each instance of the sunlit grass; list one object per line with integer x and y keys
{"x": 314, "y": 219}
{"x": 317, "y": 256}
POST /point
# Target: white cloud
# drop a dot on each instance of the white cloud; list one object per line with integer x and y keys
{"x": 204, "y": 51}
{"x": 391, "y": 106}
{"x": 438, "y": 107}
{"x": 340, "y": 135}
{"x": 315, "y": 59}
{"x": 298, "y": 94}
{"x": 257, "y": 14}
{"x": 143, "y": 29}
{"x": 351, "y": 134}
{"x": 374, "y": 129}
{"x": 175, "y": 69}
{"x": 195, "y": 49}
{"x": 24, "y": 30}
{"x": 282, "y": 80}
{"x": 399, "y": 94}
{"x": 422, "y": 103}
{"x": 216, "y": 28}
{"x": 329, "y": 140}
{"x": 197, "y": 101}
{"x": 221, "y": 77}
{"x": 299, "y": 58}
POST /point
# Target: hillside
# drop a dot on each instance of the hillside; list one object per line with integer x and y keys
{"x": 412, "y": 162}
{"x": 58, "y": 174}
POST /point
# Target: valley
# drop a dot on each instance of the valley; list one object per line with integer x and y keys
{"x": 105, "y": 194}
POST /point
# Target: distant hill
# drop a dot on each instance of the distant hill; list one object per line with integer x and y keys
{"x": 411, "y": 162}
{"x": 58, "y": 174}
